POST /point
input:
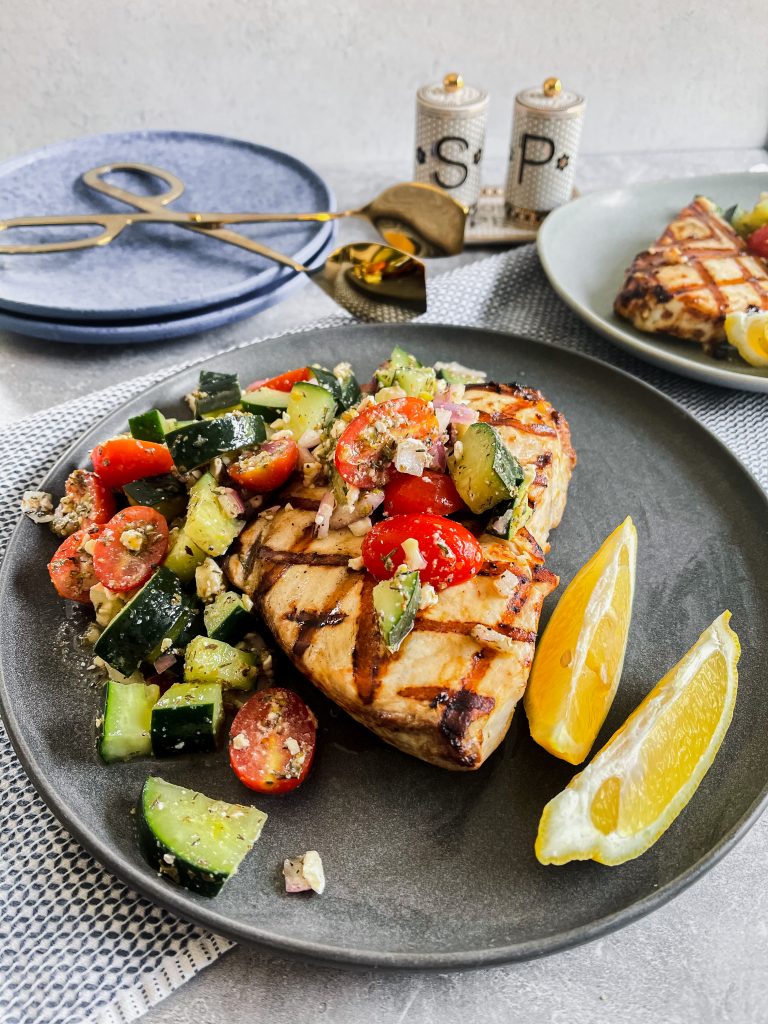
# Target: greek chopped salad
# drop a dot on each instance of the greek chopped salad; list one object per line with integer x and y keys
{"x": 404, "y": 462}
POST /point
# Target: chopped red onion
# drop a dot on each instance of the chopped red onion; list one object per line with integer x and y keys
{"x": 310, "y": 439}
{"x": 411, "y": 457}
{"x": 460, "y": 413}
{"x": 324, "y": 513}
{"x": 344, "y": 515}
{"x": 231, "y": 501}
{"x": 437, "y": 457}
{"x": 164, "y": 662}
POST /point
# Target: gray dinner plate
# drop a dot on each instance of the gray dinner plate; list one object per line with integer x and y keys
{"x": 586, "y": 247}
{"x": 428, "y": 868}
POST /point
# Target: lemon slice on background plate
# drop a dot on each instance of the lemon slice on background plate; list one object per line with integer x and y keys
{"x": 580, "y": 656}
{"x": 748, "y": 333}
{"x": 647, "y": 772}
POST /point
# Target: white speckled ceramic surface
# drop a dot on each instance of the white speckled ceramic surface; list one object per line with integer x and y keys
{"x": 586, "y": 246}
{"x": 154, "y": 270}
{"x": 428, "y": 868}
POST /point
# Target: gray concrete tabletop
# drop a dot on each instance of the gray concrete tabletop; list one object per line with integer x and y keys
{"x": 702, "y": 958}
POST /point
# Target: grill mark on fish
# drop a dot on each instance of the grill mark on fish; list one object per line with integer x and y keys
{"x": 526, "y": 636}
{"x": 309, "y": 622}
{"x": 303, "y": 504}
{"x": 314, "y": 558}
{"x": 530, "y": 395}
{"x": 425, "y": 693}
{"x": 462, "y": 707}
{"x": 504, "y": 419}
{"x": 542, "y": 575}
{"x": 367, "y": 654}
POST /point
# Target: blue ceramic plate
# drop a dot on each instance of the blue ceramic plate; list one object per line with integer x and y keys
{"x": 179, "y": 325}
{"x": 154, "y": 270}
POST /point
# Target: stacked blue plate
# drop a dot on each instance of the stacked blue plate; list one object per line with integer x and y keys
{"x": 155, "y": 281}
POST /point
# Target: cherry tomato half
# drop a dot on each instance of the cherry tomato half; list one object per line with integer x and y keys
{"x": 451, "y": 552}
{"x": 124, "y": 459}
{"x": 86, "y": 500}
{"x": 430, "y": 492}
{"x": 365, "y": 450}
{"x": 272, "y": 741}
{"x": 283, "y": 382}
{"x": 266, "y": 468}
{"x": 757, "y": 243}
{"x": 130, "y": 548}
{"x": 71, "y": 568}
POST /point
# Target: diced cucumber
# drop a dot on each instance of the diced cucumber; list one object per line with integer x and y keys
{"x": 396, "y": 603}
{"x": 416, "y": 380}
{"x": 310, "y": 407}
{"x": 265, "y": 402}
{"x": 195, "y": 444}
{"x": 385, "y": 374}
{"x": 184, "y": 555}
{"x": 191, "y": 839}
{"x": 164, "y": 493}
{"x": 486, "y": 472}
{"x": 209, "y": 525}
{"x": 342, "y": 385}
{"x": 326, "y": 379}
{"x": 506, "y": 522}
{"x": 215, "y": 393}
{"x": 455, "y": 373}
{"x": 149, "y": 426}
{"x": 212, "y": 661}
{"x": 227, "y": 618}
{"x": 187, "y": 719}
{"x": 125, "y": 727}
{"x": 181, "y": 632}
{"x": 138, "y": 629}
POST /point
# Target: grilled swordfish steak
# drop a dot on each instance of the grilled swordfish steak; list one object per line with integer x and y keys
{"x": 692, "y": 277}
{"x": 447, "y": 696}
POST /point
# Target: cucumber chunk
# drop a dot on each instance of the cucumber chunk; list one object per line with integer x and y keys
{"x": 149, "y": 426}
{"x": 485, "y": 473}
{"x": 141, "y": 625}
{"x": 396, "y": 603}
{"x": 265, "y": 402}
{"x": 184, "y": 555}
{"x": 455, "y": 373}
{"x": 125, "y": 728}
{"x": 506, "y": 522}
{"x": 187, "y": 719}
{"x": 416, "y": 380}
{"x": 310, "y": 407}
{"x": 164, "y": 493}
{"x": 195, "y": 444}
{"x": 187, "y": 625}
{"x": 212, "y": 661}
{"x": 328, "y": 380}
{"x": 215, "y": 393}
{"x": 227, "y": 618}
{"x": 191, "y": 839}
{"x": 385, "y": 374}
{"x": 209, "y": 525}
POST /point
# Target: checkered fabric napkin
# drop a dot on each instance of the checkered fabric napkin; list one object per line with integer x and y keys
{"x": 75, "y": 944}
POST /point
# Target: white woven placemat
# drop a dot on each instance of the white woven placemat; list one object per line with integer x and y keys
{"x": 75, "y": 944}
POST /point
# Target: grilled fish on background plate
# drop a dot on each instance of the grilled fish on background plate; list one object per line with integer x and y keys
{"x": 447, "y": 696}
{"x": 692, "y": 277}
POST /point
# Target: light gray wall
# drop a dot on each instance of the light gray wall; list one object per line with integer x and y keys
{"x": 334, "y": 80}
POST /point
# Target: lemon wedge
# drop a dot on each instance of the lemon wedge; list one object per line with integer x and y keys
{"x": 748, "y": 333}
{"x": 647, "y": 772}
{"x": 580, "y": 656}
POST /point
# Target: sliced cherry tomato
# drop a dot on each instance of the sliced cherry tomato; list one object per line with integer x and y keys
{"x": 283, "y": 382}
{"x": 130, "y": 548}
{"x": 430, "y": 492}
{"x": 124, "y": 459}
{"x": 266, "y": 468}
{"x": 71, "y": 568}
{"x": 365, "y": 450}
{"x": 451, "y": 552}
{"x": 757, "y": 242}
{"x": 86, "y": 500}
{"x": 272, "y": 741}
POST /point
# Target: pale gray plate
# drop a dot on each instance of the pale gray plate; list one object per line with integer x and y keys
{"x": 586, "y": 247}
{"x": 428, "y": 868}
